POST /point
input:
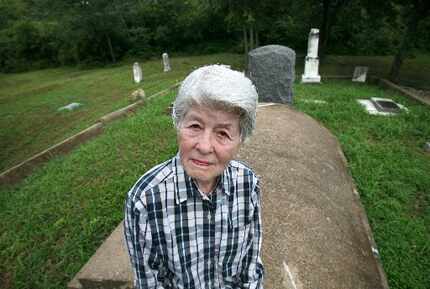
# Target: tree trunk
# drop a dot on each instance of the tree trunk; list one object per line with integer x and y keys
{"x": 251, "y": 37}
{"x": 407, "y": 42}
{"x": 325, "y": 28}
{"x": 257, "y": 39}
{"x": 109, "y": 42}
{"x": 245, "y": 42}
{"x": 420, "y": 11}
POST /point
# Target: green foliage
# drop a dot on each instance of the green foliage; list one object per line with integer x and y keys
{"x": 35, "y": 34}
{"x": 28, "y": 44}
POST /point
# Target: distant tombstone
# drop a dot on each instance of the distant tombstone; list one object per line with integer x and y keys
{"x": 137, "y": 73}
{"x": 166, "y": 62}
{"x": 70, "y": 106}
{"x": 311, "y": 74}
{"x": 271, "y": 69}
{"x": 360, "y": 73}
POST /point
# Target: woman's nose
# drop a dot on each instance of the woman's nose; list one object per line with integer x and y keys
{"x": 204, "y": 143}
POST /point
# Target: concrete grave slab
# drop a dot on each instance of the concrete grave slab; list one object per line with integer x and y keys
{"x": 109, "y": 267}
{"x": 371, "y": 108}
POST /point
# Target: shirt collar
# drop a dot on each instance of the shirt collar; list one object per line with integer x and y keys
{"x": 183, "y": 182}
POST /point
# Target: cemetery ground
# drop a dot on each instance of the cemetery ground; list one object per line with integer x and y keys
{"x": 54, "y": 220}
{"x": 29, "y": 101}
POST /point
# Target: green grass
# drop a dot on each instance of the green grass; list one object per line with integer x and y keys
{"x": 390, "y": 168}
{"x": 53, "y": 221}
{"x": 29, "y": 101}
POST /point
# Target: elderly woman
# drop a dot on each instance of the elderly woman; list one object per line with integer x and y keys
{"x": 194, "y": 220}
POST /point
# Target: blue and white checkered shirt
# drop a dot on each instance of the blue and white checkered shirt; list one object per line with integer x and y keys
{"x": 177, "y": 239}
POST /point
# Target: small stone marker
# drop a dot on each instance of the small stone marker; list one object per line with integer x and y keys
{"x": 360, "y": 73}
{"x": 137, "y": 95}
{"x": 271, "y": 69}
{"x": 166, "y": 62}
{"x": 137, "y": 73}
{"x": 310, "y": 74}
{"x": 70, "y": 107}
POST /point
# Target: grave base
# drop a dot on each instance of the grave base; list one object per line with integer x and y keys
{"x": 311, "y": 79}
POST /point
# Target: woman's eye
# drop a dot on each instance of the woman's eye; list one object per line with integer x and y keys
{"x": 224, "y": 135}
{"x": 194, "y": 126}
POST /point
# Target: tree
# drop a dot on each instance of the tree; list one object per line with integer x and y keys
{"x": 330, "y": 10}
{"x": 415, "y": 11}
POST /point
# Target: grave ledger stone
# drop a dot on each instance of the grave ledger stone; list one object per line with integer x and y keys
{"x": 271, "y": 69}
{"x": 137, "y": 73}
{"x": 166, "y": 62}
{"x": 311, "y": 74}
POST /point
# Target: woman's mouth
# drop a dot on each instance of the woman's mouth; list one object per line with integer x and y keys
{"x": 200, "y": 162}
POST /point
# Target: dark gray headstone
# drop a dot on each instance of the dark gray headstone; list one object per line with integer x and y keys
{"x": 271, "y": 69}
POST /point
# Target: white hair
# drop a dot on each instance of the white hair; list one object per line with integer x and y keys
{"x": 221, "y": 87}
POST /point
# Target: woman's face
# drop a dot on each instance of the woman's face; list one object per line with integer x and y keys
{"x": 208, "y": 139}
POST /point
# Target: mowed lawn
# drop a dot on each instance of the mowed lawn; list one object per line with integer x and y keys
{"x": 53, "y": 221}
{"x": 29, "y": 101}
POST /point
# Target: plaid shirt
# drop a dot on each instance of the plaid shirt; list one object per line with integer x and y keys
{"x": 177, "y": 239}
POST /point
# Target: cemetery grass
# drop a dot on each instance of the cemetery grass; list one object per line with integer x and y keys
{"x": 390, "y": 168}
{"x": 55, "y": 219}
{"x": 30, "y": 122}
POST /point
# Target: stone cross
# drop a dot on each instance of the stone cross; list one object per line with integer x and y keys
{"x": 137, "y": 73}
{"x": 166, "y": 62}
{"x": 310, "y": 74}
{"x": 360, "y": 73}
{"x": 271, "y": 69}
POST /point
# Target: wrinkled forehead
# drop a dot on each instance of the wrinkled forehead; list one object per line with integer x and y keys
{"x": 213, "y": 117}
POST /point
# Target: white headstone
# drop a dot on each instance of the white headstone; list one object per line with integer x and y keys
{"x": 166, "y": 62}
{"x": 311, "y": 74}
{"x": 137, "y": 73}
{"x": 360, "y": 73}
